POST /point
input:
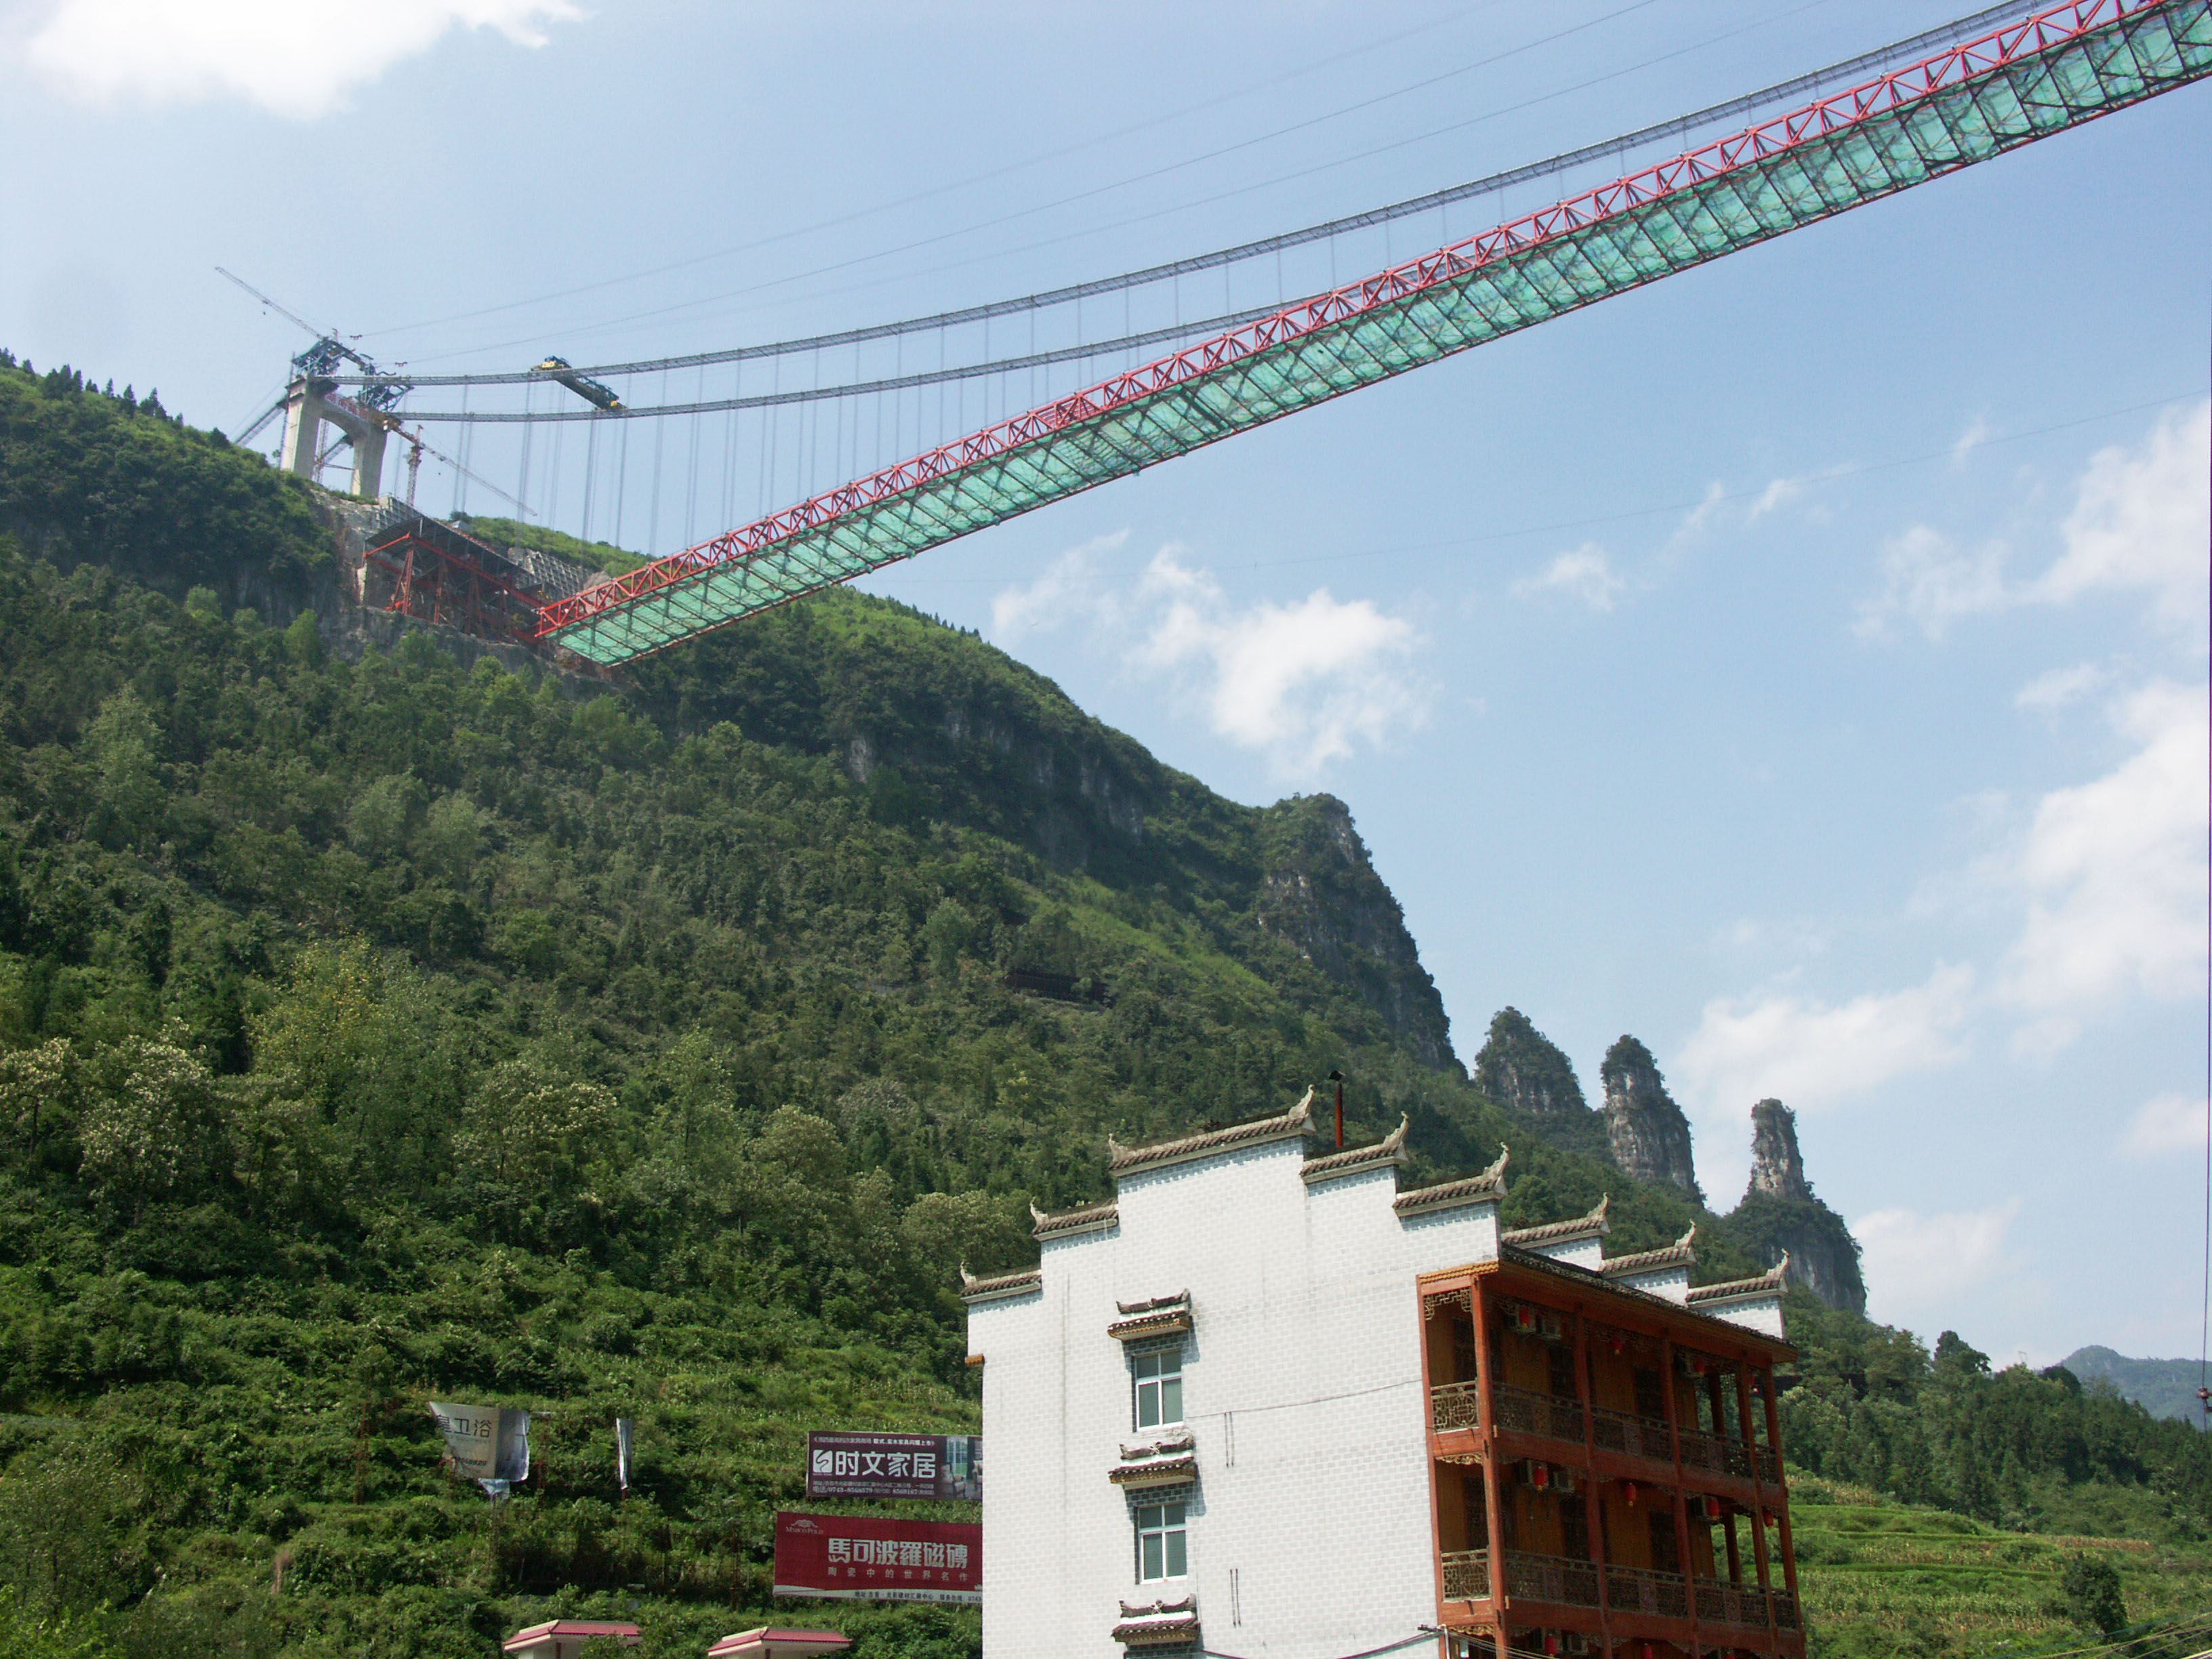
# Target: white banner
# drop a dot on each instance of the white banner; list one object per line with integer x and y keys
{"x": 488, "y": 1443}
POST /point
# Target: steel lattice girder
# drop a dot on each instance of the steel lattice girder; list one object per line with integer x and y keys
{"x": 2053, "y": 71}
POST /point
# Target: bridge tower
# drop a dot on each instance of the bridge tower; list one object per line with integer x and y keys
{"x": 310, "y": 401}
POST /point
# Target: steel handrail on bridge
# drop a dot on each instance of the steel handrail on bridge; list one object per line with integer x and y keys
{"x": 2054, "y": 69}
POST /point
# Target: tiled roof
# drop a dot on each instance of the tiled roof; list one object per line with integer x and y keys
{"x": 1121, "y": 1160}
{"x": 1160, "y": 1316}
{"x": 1581, "y": 1226}
{"x": 1767, "y": 1283}
{"x": 1157, "y": 1623}
{"x": 1176, "y": 1469}
{"x": 1072, "y": 1221}
{"x": 1677, "y": 1255}
{"x": 1391, "y": 1149}
{"x": 973, "y": 1289}
{"x": 1485, "y": 1189}
{"x": 1180, "y": 1299}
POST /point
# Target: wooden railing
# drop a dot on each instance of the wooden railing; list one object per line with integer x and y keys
{"x": 1456, "y": 1406}
{"x": 1552, "y": 1578}
{"x": 1722, "y": 1603}
{"x": 1558, "y": 1417}
{"x": 1467, "y": 1576}
{"x": 1632, "y": 1436}
{"x": 1639, "y": 1589}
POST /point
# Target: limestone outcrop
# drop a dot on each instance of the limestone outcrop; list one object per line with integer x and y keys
{"x": 1320, "y": 895}
{"x": 1777, "y": 1168}
{"x": 1647, "y": 1134}
{"x": 1524, "y": 1071}
{"x": 1780, "y": 1215}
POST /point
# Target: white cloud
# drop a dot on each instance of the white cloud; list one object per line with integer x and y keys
{"x": 1810, "y": 1053}
{"x": 2140, "y": 521}
{"x": 2055, "y": 689}
{"x": 1303, "y": 682}
{"x": 2114, "y": 872}
{"x": 1915, "y": 1262}
{"x": 291, "y": 57}
{"x": 2165, "y": 1124}
{"x": 1976, "y": 434}
{"x": 1584, "y": 572}
{"x": 1930, "y": 583}
{"x": 1720, "y": 507}
{"x": 1779, "y": 492}
{"x": 1068, "y": 590}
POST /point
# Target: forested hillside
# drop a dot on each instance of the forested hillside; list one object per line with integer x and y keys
{"x": 373, "y": 1030}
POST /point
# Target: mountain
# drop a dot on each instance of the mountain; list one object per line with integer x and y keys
{"x": 2164, "y": 1388}
{"x": 386, "y": 1015}
{"x": 1779, "y": 1217}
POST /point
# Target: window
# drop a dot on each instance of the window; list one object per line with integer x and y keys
{"x": 1162, "y": 1547}
{"x": 1159, "y": 1387}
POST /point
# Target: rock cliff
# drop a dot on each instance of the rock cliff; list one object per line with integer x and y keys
{"x": 1779, "y": 1214}
{"x": 1524, "y": 1071}
{"x": 1321, "y": 895}
{"x": 1648, "y": 1135}
{"x": 1777, "y": 1168}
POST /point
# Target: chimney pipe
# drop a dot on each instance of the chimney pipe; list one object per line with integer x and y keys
{"x": 1337, "y": 1078}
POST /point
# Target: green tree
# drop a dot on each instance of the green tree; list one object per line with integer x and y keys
{"x": 2091, "y": 1588}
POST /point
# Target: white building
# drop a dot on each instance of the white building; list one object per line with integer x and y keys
{"x": 1213, "y": 1417}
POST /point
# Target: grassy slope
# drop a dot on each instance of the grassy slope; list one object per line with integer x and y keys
{"x": 1882, "y": 1577}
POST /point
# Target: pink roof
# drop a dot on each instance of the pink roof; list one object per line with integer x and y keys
{"x": 579, "y": 1628}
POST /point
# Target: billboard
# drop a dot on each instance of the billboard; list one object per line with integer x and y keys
{"x": 894, "y": 1466}
{"x": 864, "y": 1558}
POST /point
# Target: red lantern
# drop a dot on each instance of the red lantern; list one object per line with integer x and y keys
{"x": 1628, "y": 1492}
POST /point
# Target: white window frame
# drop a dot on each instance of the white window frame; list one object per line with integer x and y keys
{"x": 1165, "y": 1526}
{"x": 1163, "y": 1384}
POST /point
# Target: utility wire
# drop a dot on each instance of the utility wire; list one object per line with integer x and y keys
{"x": 1606, "y": 149}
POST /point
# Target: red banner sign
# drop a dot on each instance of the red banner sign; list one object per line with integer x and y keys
{"x": 862, "y": 1558}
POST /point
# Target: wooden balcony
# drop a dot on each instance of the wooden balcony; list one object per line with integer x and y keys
{"x": 1456, "y": 1407}
{"x": 1630, "y": 1592}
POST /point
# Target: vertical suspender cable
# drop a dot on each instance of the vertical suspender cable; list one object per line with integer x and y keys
{"x": 622, "y": 481}
{"x": 652, "y": 511}
{"x": 590, "y": 464}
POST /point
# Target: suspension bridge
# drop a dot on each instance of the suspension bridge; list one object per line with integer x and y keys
{"x": 1827, "y": 143}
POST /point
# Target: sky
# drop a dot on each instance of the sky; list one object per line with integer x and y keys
{"x": 1799, "y": 664}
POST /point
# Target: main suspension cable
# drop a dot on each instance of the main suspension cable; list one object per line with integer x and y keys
{"x": 1795, "y": 88}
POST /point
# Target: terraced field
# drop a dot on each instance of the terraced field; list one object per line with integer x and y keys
{"x": 1884, "y": 1578}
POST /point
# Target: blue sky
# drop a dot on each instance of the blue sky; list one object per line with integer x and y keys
{"x": 1799, "y": 664}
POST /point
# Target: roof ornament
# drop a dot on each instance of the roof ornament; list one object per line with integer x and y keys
{"x": 1497, "y": 1171}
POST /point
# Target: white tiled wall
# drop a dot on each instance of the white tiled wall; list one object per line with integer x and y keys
{"x": 1301, "y": 1384}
